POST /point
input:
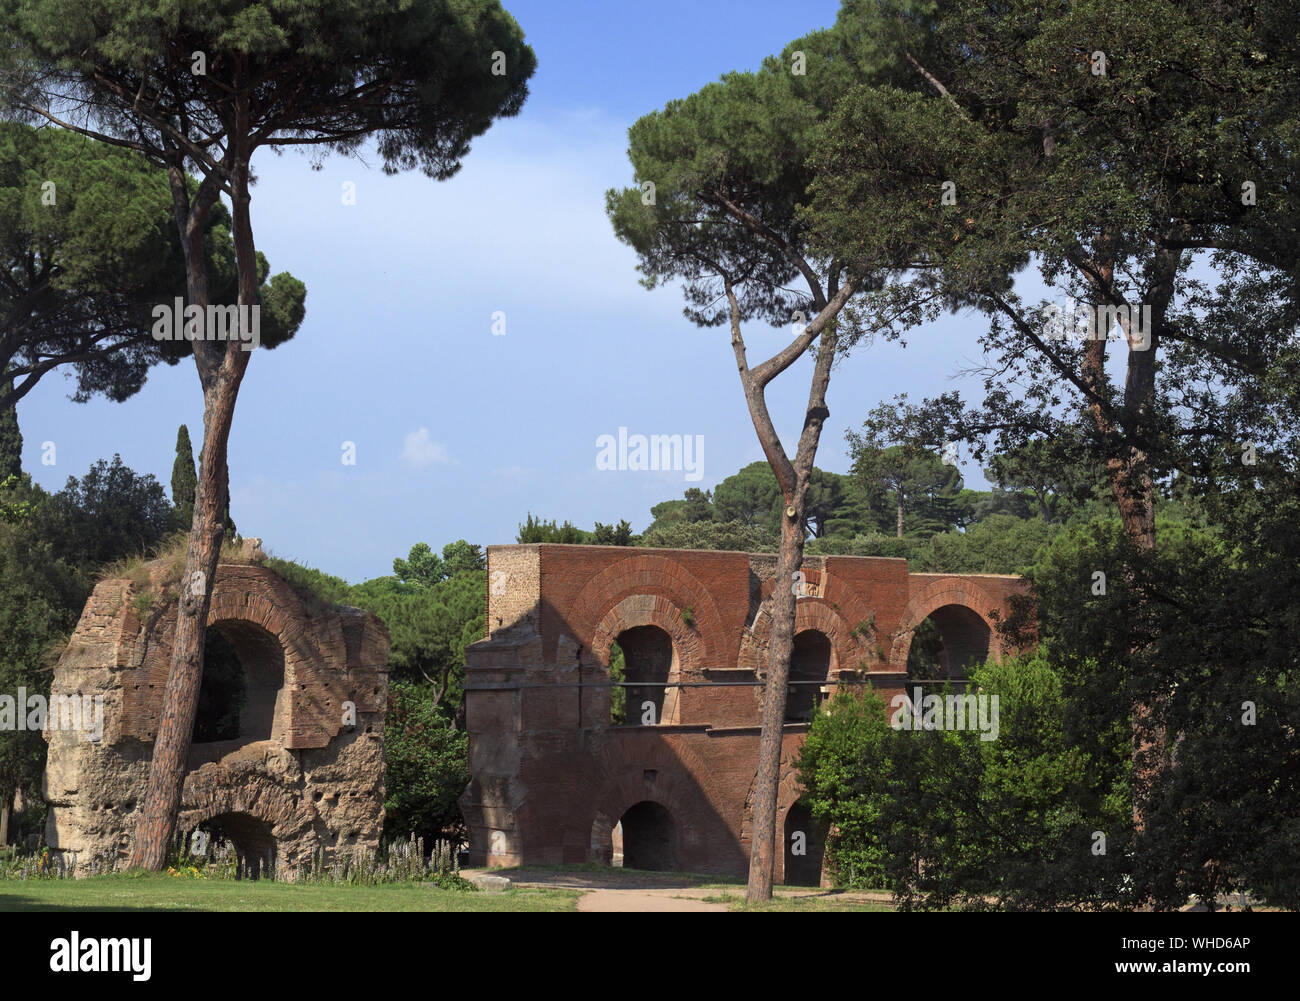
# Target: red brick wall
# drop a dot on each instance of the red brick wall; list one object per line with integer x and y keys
{"x": 551, "y": 777}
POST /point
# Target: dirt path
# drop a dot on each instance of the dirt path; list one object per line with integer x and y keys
{"x": 618, "y": 891}
{"x": 625, "y": 901}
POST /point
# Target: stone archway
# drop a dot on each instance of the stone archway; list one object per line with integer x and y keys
{"x": 963, "y": 612}
{"x": 649, "y": 837}
{"x": 812, "y": 664}
{"x": 665, "y": 647}
{"x": 805, "y": 847}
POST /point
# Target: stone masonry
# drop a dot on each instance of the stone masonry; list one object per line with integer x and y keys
{"x": 300, "y": 776}
{"x": 555, "y": 781}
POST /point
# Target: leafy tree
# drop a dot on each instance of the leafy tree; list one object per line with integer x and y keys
{"x": 41, "y": 596}
{"x": 729, "y": 169}
{"x": 426, "y": 767}
{"x": 1007, "y": 145}
{"x": 944, "y": 818}
{"x": 923, "y": 489}
{"x": 1000, "y": 543}
{"x": 695, "y": 506}
{"x": 184, "y": 479}
{"x": 535, "y": 530}
{"x": 110, "y": 513}
{"x": 424, "y": 77}
{"x": 613, "y": 535}
{"x": 89, "y": 250}
{"x": 1053, "y": 473}
{"x": 11, "y": 438}
{"x": 751, "y": 496}
{"x": 734, "y": 536}
{"x": 429, "y": 627}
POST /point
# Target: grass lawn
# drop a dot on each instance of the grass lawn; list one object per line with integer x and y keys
{"x": 167, "y": 893}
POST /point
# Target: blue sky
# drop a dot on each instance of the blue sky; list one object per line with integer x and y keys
{"x": 460, "y": 433}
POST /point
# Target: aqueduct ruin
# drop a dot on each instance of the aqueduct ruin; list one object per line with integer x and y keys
{"x": 557, "y": 777}
{"x": 288, "y": 745}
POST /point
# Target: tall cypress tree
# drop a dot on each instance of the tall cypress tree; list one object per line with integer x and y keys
{"x": 184, "y": 479}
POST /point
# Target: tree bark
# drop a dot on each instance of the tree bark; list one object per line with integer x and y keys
{"x": 4, "y": 821}
{"x": 762, "y": 858}
{"x": 221, "y": 368}
{"x": 793, "y": 478}
{"x": 899, "y": 522}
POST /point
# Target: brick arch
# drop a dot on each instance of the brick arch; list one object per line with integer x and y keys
{"x": 935, "y": 595}
{"x": 682, "y": 787}
{"x": 212, "y": 791}
{"x": 659, "y": 578}
{"x": 242, "y": 603}
{"x": 649, "y": 610}
{"x": 788, "y": 791}
{"x": 809, "y": 613}
{"x": 239, "y": 604}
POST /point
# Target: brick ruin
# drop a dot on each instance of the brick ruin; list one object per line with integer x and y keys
{"x": 291, "y": 771}
{"x": 555, "y": 781}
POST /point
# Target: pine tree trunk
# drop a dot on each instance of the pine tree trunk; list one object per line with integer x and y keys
{"x": 4, "y": 822}
{"x": 762, "y": 857}
{"x": 221, "y": 370}
{"x": 899, "y": 524}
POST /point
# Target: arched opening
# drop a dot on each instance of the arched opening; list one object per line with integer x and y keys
{"x": 648, "y": 835}
{"x": 643, "y": 659}
{"x": 252, "y": 839}
{"x": 243, "y": 677}
{"x": 810, "y": 668}
{"x": 947, "y": 644}
{"x": 805, "y": 846}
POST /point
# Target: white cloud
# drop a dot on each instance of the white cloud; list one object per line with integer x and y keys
{"x": 418, "y": 451}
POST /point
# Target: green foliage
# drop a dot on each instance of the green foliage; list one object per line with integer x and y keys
{"x": 535, "y": 530}
{"x": 11, "y": 438}
{"x": 109, "y": 513}
{"x": 845, "y": 770}
{"x": 96, "y": 222}
{"x": 724, "y": 535}
{"x": 613, "y": 535}
{"x": 617, "y": 694}
{"x": 751, "y": 497}
{"x": 426, "y": 766}
{"x": 422, "y": 568}
{"x": 944, "y": 818}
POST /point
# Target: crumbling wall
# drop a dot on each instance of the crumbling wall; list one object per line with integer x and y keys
{"x": 315, "y": 781}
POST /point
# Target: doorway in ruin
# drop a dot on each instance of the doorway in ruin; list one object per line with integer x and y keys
{"x": 643, "y": 659}
{"x": 810, "y": 668}
{"x": 243, "y": 682}
{"x": 251, "y": 837}
{"x": 648, "y": 836}
{"x": 805, "y": 846}
{"x": 947, "y": 644}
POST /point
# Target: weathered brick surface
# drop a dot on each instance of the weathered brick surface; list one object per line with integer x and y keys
{"x": 314, "y": 781}
{"x": 551, "y": 777}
